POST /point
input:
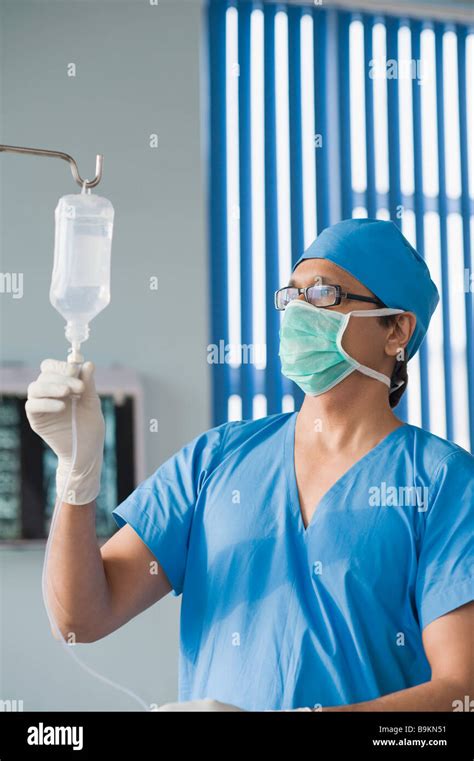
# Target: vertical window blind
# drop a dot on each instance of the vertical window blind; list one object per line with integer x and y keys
{"x": 317, "y": 115}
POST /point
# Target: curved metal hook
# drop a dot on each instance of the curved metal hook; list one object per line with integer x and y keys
{"x": 66, "y": 157}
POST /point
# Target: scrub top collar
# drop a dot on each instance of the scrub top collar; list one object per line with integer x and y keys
{"x": 331, "y": 493}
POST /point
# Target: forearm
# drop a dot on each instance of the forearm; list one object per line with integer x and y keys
{"x": 78, "y": 592}
{"x": 437, "y": 695}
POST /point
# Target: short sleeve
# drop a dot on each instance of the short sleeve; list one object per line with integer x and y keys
{"x": 161, "y": 508}
{"x": 445, "y": 565}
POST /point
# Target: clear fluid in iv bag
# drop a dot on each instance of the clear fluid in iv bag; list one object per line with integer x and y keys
{"x": 80, "y": 285}
{"x": 81, "y": 303}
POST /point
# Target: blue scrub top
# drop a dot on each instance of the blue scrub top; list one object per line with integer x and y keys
{"x": 276, "y": 616}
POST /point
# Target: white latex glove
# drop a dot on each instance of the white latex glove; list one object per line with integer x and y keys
{"x": 198, "y": 705}
{"x": 48, "y": 409}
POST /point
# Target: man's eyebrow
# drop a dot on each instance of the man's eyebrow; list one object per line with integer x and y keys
{"x": 320, "y": 278}
{"x": 323, "y": 280}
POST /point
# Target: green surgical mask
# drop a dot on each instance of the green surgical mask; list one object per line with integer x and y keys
{"x": 311, "y": 350}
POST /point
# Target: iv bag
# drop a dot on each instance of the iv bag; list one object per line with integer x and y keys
{"x": 80, "y": 284}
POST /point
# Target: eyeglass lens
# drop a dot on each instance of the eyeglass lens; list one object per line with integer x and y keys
{"x": 318, "y": 295}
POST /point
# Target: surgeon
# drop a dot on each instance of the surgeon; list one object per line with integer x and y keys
{"x": 323, "y": 556}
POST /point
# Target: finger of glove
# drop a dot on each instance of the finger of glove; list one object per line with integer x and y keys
{"x": 34, "y": 406}
{"x": 59, "y": 366}
{"x": 49, "y": 389}
{"x": 87, "y": 375}
{"x": 76, "y": 385}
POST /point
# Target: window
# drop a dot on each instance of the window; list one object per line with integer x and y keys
{"x": 317, "y": 115}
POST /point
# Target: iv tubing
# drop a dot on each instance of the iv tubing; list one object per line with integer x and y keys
{"x": 54, "y": 625}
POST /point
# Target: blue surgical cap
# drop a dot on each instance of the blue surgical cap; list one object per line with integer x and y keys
{"x": 376, "y": 253}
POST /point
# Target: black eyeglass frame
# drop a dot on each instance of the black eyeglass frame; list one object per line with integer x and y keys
{"x": 340, "y": 294}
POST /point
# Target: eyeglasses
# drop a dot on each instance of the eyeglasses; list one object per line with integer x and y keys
{"x": 319, "y": 296}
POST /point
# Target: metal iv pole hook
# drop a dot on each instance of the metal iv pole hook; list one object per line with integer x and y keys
{"x": 60, "y": 155}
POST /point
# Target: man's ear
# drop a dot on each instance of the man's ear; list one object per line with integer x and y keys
{"x": 399, "y": 335}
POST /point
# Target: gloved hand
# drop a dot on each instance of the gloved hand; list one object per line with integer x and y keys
{"x": 198, "y": 705}
{"x": 48, "y": 409}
